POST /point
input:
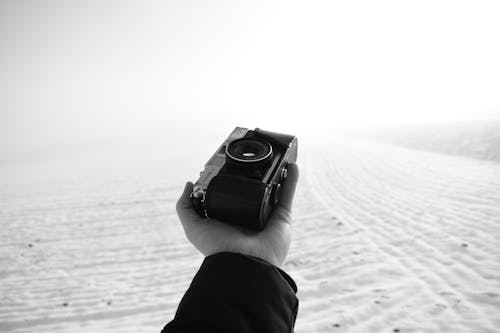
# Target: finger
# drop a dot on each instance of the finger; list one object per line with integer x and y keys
{"x": 184, "y": 201}
{"x": 184, "y": 206}
{"x": 288, "y": 187}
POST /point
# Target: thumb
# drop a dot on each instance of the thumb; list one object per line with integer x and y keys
{"x": 184, "y": 201}
{"x": 184, "y": 206}
{"x": 289, "y": 186}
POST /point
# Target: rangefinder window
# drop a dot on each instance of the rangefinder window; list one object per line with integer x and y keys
{"x": 241, "y": 181}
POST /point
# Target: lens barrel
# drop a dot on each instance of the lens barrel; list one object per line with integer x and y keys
{"x": 249, "y": 151}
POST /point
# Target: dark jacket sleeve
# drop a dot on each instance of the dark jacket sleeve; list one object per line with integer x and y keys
{"x": 237, "y": 293}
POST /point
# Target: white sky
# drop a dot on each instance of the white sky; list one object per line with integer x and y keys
{"x": 73, "y": 72}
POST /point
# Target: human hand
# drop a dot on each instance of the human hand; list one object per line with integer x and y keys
{"x": 211, "y": 236}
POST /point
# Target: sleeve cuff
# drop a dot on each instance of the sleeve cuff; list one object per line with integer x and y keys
{"x": 287, "y": 277}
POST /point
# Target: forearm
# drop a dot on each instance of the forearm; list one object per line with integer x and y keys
{"x": 237, "y": 293}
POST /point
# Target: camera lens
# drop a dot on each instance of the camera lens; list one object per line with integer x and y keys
{"x": 249, "y": 151}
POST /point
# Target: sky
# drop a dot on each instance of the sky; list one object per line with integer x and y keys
{"x": 76, "y": 74}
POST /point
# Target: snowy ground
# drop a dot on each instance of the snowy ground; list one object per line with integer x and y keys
{"x": 386, "y": 239}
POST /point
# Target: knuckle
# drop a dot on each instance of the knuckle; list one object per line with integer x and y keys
{"x": 284, "y": 212}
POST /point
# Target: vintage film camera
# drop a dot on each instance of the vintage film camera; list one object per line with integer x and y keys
{"x": 241, "y": 183}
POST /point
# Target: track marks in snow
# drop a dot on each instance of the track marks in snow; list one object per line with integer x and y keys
{"x": 422, "y": 225}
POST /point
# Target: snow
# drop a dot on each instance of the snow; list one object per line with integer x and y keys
{"x": 385, "y": 239}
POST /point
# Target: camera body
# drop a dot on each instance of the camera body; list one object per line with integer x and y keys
{"x": 241, "y": 182}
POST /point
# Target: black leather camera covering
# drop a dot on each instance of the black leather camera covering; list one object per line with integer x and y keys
{"x": 243, "y": 201}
